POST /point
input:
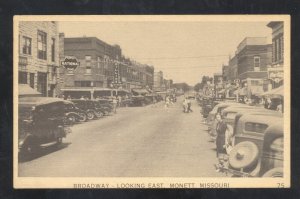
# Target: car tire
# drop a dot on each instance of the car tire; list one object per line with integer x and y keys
{"x": 99, "y": 114}
{"x": 90, "y": 115}
{"x": 83, "y": 117}
{"x": 244, "y": 155}
{"x": 274, "y": 173}
{"x": 71, "y": 119}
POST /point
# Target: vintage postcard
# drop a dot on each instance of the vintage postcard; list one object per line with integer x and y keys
{"x": 124, "y": 101}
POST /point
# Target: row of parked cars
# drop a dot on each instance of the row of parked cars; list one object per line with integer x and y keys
{"x": 254, "y": 140}
{"x": 44, "y": 121}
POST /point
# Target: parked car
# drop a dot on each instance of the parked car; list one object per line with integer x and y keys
{"x": 207, "y": 106}
{"x": 271, "y": 162}
{"x": 106, "y": 103}
{"x": 74, "y": 114}
{"x": 89, "y": 107}
{"x": 244, "y": 158}
{"x": 101, "y": 109}
{"x": 41, "y": 123}
{"x": 139, "y": 100}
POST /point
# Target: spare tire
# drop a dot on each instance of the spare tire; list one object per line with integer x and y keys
{"x": 274, "y": 173}
{"x": 243, "y": 155}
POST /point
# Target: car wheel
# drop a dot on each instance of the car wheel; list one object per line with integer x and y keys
{"x": 90, "y": 115}
{"x": 99, "y": 114}
{"x": 83, "y": 117}
{"x": 274, "y": 173}
{"x": 243, "y": 155}
{"x": 71, "y": 119}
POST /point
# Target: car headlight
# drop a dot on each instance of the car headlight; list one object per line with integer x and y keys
{"x": 277, "y": 145}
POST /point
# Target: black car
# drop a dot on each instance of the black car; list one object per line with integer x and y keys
{"x": 74, "y": 114}
{"x": 41, "y": 123}
{"x": 89, "y": 107}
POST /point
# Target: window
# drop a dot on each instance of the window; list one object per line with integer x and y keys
{"x": 42, "y": 45}
{"x": 83, "y": 83}
{"x": 255, "y": 127}
{"x": 256, "y": 83}
{"x": 278, "y": 49}
{"x": 22, "y": 77}
{"x": 88, "y": 70}
{"x": 26, "y": 48}
{"x": 256, "y": 63}
{"x": 53, "y": 49}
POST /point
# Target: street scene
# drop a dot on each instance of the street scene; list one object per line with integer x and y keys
{"x": 132, "y": 99}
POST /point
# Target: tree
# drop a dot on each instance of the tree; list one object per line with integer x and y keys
{"x": 199, "y": 86}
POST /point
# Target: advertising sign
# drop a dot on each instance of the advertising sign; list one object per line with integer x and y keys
{"x": 70, "y": 63}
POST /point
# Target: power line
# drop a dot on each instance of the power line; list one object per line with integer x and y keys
{"x": 197, "y": 57}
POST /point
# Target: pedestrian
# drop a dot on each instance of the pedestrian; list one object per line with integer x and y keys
{"x": 115, "y": 103}
{"x": 189, "y": 105}
{"x": 167, "y": 102}
{"x": 185, "y": 105}
{"x": 279, "y": 107}
{"x": 220, "y": 140}
{"x": 119, "y": 101}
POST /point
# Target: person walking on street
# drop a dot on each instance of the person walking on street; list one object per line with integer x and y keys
{"x": 189, "y": 105}
{"x": 115, "y": 103}
{"x": 220, "y": 140}
{"x": 185, "y": 105}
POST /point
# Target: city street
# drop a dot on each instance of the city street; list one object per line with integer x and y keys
{"x": 149, "y": 141}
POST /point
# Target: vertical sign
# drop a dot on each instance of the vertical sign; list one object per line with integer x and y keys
{"x": 117, "y": 77}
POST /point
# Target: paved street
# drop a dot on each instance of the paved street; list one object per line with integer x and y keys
{"x": 146, "y": 141}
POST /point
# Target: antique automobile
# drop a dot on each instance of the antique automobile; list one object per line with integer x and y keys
{"x": 40, "y": 123}
{"x": 89, "y": 107}
{"x": 74, "y": 114}
{"x": 106, "y": 103}
{"x": 105, "y": 110}
{"x": 249, "y": 134}
{"x": 217, "y": 109}
{"x": 271, "y": 162}
{"x": 207, "y": 105}
{"x": 228, "y": 114}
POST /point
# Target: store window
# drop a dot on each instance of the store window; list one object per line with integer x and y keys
{"x": 42, "y": 45}
{"x": 31, "y": 83}
{"x": 26, "y": 48}
{"x": 83, "y": 83}
{"x": 53, "y": 49}
{"x": 22, "y": 77}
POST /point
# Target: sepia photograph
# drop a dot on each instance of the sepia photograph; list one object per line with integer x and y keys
{"x": 190, "y": 101}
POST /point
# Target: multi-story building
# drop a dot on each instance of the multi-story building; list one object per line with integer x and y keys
{"x": 232, "y": 69}
{"x": 158, "y": 81}
{"x": 97, "y": 62}
{"x": 275, "y": 72}
{"x": 100, "y": 65}
{"x": 253, "y": 58}
{"x": 39, "y": 56}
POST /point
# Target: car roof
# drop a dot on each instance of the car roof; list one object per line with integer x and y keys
{"x": 241, "y": 108}
{"x": 37, "y": 101}
{"x": 261, "y": 118}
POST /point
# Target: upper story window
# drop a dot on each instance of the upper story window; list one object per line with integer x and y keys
{"x": 53, "y": 49}
{"x": 256, "y": 63}
{"x": 42, "y": 45}
{"x": 26, "y": 45}
{"x": 277, "y": 49}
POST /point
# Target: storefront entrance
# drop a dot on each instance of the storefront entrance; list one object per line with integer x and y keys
{"x": 42, "y": 83}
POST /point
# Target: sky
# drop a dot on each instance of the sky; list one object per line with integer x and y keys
{"x": 184, "y": 51}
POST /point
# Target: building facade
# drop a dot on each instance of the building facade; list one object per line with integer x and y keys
{"x": 101, "y": 64}
{"x": 254, "y": 56}
{"x": 158, "y": 81}
{"x": 275, "y": 72}
{"x": 39, "y": 56}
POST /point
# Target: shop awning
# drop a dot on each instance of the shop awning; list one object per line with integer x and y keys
{"x": 275, "y": 91}
{"x": 26, "y": 91}
{"x": 140, "y": 91}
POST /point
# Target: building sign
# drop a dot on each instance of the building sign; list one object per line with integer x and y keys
{"x": 70, "y": 63}
{"x": 275, "y": 74}
{"x": 117, "y": 77}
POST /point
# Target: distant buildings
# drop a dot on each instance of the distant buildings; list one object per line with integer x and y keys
{"x": 39, "y": 56}
{"x": 158, "y": 81}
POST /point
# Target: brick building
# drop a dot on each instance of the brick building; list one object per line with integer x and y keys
{"x": 39, "y": 55}
{"x": 98, "y": 63}
{"x": 254, "y": 56}
{"x": 275, "y": 72}
{"x": 232, "y": 69}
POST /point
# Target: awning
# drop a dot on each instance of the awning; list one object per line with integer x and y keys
{"x": 26, "y": 91}
{"x": 140, "y": 91}
{"x": 275, "y": 91}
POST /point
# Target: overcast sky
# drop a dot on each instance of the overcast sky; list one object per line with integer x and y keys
{"x": 184, "y": 51}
